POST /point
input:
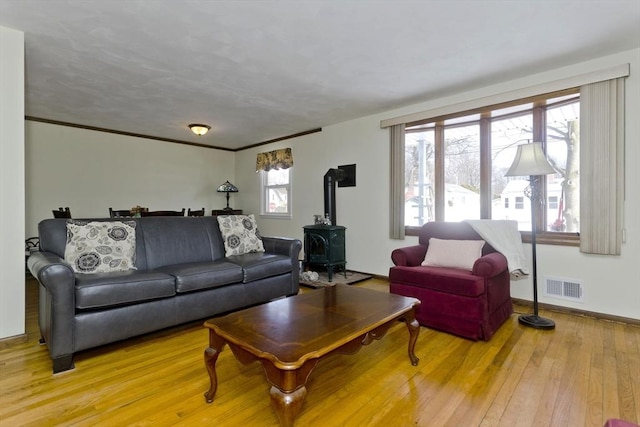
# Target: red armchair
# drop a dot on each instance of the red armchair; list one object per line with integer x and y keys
{"x": 472, "y": 304}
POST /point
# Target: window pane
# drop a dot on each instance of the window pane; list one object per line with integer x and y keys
{"x": 278, "y": 177}
{"x": 563, "y": 152}
{"x": 506, "y": 135}
{"x": 419, "y": 178}
{"x": 462, "y": 173}
{"x": 277, "y": 200}
{"x": 276, "y": 192}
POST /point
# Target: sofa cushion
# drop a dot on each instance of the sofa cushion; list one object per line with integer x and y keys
{"x": 100, "y": 246}
{"x": 450, "y": 280}
{"x": 175, "y": 240}
{"x": 453, "y": 253}
{"x": 256, "y": 266}
{"x": 240, "y": 234}
{"x": 123, "y": 287}
{"x": 203, "y": 275}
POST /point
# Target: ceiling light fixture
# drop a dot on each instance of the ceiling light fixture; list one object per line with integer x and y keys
{"x": 199, "y": 129}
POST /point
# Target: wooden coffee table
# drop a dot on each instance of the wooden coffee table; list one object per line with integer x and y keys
{"x": 289, "y": 336}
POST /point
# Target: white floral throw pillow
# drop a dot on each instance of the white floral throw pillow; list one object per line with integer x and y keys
{"x": 100, "y": 247}
{"x": 240, "y": 234}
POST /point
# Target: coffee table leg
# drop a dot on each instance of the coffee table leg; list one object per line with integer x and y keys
{"x": 288, "y": 389}
{"x": 414, "y": 329}
{"x": 216, "y": 344}
{"x": 287, "y": 405}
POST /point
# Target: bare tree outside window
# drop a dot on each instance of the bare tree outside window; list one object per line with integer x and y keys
{"x": 563, "y": 152}
{"x": 495, "y": 132}
{"x": 419, "y": 177}
{"x": 462, "y": 172}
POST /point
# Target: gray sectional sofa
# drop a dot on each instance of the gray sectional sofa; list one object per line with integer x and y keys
{"x": 181, "y": 275}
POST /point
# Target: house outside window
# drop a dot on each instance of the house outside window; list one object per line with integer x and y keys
{"x": 276, "y": 193}
{"x": 477, "y": 148}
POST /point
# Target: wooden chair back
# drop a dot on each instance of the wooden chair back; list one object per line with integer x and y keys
{"x": 62, "y": 213}
{"x": 163, "y": 213}
{"x": 122, "y": 213}
{"x": 198, "y": 212}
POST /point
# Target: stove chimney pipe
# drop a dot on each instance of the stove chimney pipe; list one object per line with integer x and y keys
{"x": 330, "y": 178}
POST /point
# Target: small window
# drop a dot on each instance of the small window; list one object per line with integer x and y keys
{"x": 276, "y": 193}
{"x": 519, "y": 202}
{"x": 553, "y": 202}
{"x": 506, "y": 203}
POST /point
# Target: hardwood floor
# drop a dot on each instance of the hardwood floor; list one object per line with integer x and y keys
{"x": 580, "y": 374}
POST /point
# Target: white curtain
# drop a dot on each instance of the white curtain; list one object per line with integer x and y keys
{"x": 602, "y": 167}
{"x": 396, "y": 183}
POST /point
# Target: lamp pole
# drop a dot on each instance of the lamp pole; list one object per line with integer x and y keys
{"x": 533, "y": 320}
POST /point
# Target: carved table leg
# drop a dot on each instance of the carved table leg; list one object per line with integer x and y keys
{"x": 288, "y": 389}
{"x": 414, "y": 329}
{"x": 216, "y": 344}
{"x": 287, "y": 405}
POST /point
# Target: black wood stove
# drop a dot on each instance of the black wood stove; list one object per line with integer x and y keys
{"x": 324, "y": 244}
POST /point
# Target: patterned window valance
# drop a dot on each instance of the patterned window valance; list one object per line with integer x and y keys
{"x": 276, "y": 159}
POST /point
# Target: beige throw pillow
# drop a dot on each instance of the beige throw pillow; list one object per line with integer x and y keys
{"x": 100, "y": 247}
{"x": 453, "y": 253}
{"x": 240, "y": 234}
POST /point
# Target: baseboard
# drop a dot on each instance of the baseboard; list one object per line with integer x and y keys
{"x": 11, "y": 341}
{"x": 576, "y": 312}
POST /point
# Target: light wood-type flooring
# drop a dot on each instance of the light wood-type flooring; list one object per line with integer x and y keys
{"x": 580, "y": 374}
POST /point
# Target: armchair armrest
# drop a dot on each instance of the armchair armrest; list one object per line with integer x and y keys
{"x": 409, "y": 256}
{"x": 490, "y": 265}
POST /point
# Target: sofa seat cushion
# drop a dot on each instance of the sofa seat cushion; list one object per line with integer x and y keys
{"x": 442, "y": 279}
{"x": 122, "y": 287}
{"x": 260, "y": 265}
{"x": 203, "y": 275}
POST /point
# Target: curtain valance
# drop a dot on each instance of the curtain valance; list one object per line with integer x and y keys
{"x": 276, "y": 159}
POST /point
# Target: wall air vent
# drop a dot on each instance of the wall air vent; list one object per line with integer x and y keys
{"x": 569, "y": 289}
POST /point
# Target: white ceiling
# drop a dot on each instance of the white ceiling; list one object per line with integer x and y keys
{"x": 259, "y": 70}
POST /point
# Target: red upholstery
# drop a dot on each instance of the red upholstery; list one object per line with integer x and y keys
{"x": 472, "y": 304}
{"x": 614, "y": 422}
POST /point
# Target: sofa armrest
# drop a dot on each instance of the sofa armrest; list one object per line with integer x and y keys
{"x": 283, "y": 246}
{"x": 409, "y": 256}
{"x": 57, "y": 304}
{"x": 490, "y": 265}
{"x": 288, "y": 247}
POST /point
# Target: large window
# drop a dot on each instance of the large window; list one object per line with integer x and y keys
{"x": 276, "y": 193}
{"x": 455, "y": 165}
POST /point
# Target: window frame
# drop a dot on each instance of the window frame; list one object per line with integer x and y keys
{"x": 537, "y": 109}
{"x": 264, "y": 190}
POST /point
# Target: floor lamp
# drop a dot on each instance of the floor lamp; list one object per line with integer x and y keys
{"x": 530, "y": 161}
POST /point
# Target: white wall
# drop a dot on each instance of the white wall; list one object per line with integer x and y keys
{"x": 611, "y": 284}
{"x": 12, "y": 278}
{"x": 91, "y": 171}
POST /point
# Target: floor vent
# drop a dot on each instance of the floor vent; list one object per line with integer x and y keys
{"x": 570, "y": 289}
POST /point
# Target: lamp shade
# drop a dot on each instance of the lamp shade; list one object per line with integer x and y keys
{"x": 199, "y": 129}
{"x": 530, "y": 160}
{"x": 227, "y": 187}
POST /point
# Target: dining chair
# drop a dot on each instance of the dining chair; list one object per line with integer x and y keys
{"x": 62, "y": 213}
{"x": 163, "y": 213}
{"x": 199, "y": 212}
{"x": 122, "y": 213}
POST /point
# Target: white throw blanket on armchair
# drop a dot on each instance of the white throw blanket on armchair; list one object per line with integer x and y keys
{"x": 505, "y": 238}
